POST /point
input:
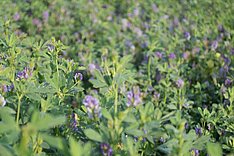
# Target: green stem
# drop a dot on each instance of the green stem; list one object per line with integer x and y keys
{"x": 116, "y": 99}
{"x": 179, "y": 98}
{"x": 56, "y": 61}
{"x": 18, "y": 109}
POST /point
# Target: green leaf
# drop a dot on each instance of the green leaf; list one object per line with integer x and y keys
{"x": 106, "y": 114}
{"x": 7, "y": 122}
{"x": 99, "y": 76}
{"x": 98, "y": 84}
{"x": 5, "y": 151}
{"x": 171, "y": 106}
{"x": 214, "y": 149}
{"x": 43, "y": 121}
{"x": 75, "y": 148}
{"x": 135, "y": 132}
{"x": 93, "y": 135}
{"x": 56, "y": 142}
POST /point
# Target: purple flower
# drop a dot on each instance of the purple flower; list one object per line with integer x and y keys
{"x": 25, "y": 74}
{"x": 226, "y": 60}
{"x": 10, "y": 88}
{"x": 187, "y": 35}
{"x": 195, "y": 50}
{"x": 50, "y": 47}
{"x": 158, "y": 55}
{"x": 145, "y": 132}
{"x": 138, "y": 31}
{"x": 37, "y": 22}
{"x": 155, "y": 8}
{"x": 221, "y": 29}
{"x": 186, "y": 55}
{"x": 135, "y": 139}
{"x": 125, "y": 24}
{"x": 134, "y": 97}
{"x": 162, "y": 140}
{"x": 145, "y": 59}
{"x": 45, "y": 16}
{"x": 2, "y": 101}
{"x": 195, "y": 152}
{"x": 150, "y": 88}
{"x": 232, "y": 51}
{"x": 106, "y": 149}
{"x": 73, "y": 122}
{"x": 78, "y": 76}
{"x": 92, "y": 67}
{"x": 198, "y": 131}
{"x": 214, "y": 45}
{"x": 156, "y": 95}
{"x": 228, "y": 82}
{"x": 4, "y": 88}
{"x": 16, "y": 16}
{"x": 172, "y": 56}
{"x": 7, "y": 88}
{"x": 92, "y": 106}
{"x": 179, "y": 83}
{"x": 136, "y": 12}
{"x": 144, "y": 45}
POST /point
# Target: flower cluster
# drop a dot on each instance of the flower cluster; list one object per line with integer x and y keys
{"x": 73, "y": 121}
{"x": 7, "y": 88}
{"x": 134, "y": 97}
{"x": 106, "y": 150}
{"x": 172, "y": 56}
{"x": 198, "y": 131}
{"x": 92, "y": 106}
{"x": 78, "y": 76}
{"x": 195, "y": 152}
{"x": 25, "y": 74}
{"x": 180, "y": 83}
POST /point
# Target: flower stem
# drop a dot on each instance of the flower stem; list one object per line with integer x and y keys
{"x": 116, "y": 99}
{"x": 18, "y": 108}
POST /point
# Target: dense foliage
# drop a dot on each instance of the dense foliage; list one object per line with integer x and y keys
{"x": 112, "y": 77}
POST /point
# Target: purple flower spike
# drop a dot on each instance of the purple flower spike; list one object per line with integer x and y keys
{"x": 162, "y": 140}
{"x": 195, "y": 152}
{"x": 187, "y": 35}
{"x": 180, "y": 83}
{"x": 134, "y": 97}
{"x": 16, "y": 16}
{"x": 73, "y": 122}
{"x": 25, "y": 74}
{"x": 186, "y": 55}
{"x": 198, "y": 131}
{"x": 156, "y": 95}
{"x": 158, "y": 55}
{"x": 232, "y": 51}
{"x": 92, "y": 67}
{"x": 78, "y": 76}
{"x": 92, "y": 106}
{"x": 4, "y": 88}
{"x": 45, "y": 16}
{"x": 214, "y": 45}
{"x": 228, "y": 82}
{"x": 50, "y": 47}
{"x": 106, "y": 149}
{"x": 172, "y": 56}
{"x": 37, "y": 22}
